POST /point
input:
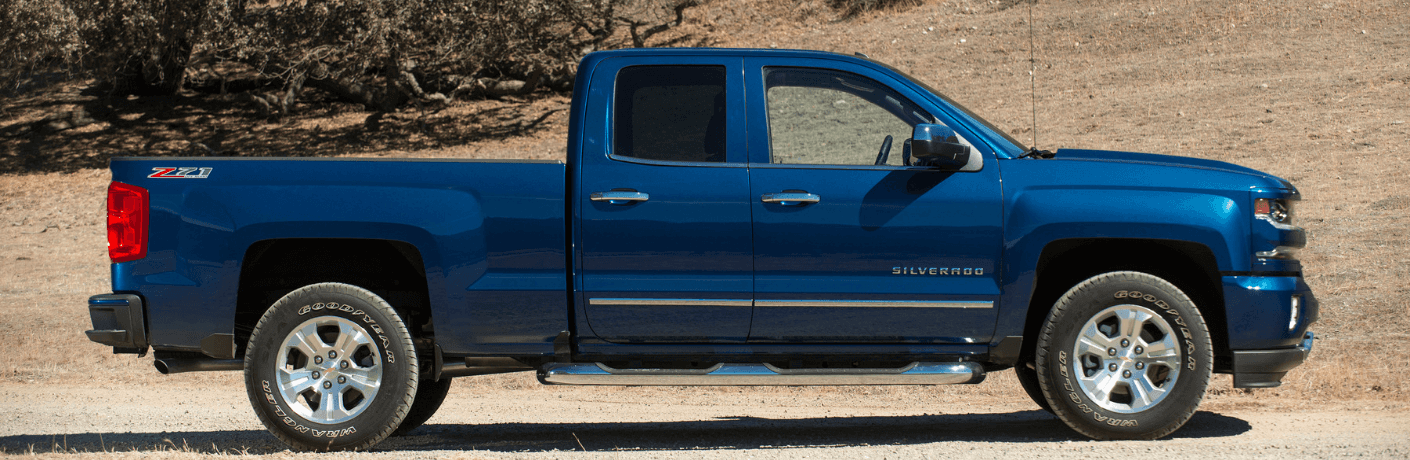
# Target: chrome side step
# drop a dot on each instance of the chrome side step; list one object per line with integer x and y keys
{"x": 917, "y": 373}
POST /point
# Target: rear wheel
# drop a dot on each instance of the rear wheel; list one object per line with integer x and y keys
{"x": 1124, "y": 355}
{"x": 331, "y": 367}
{"x": 429, "y": 396}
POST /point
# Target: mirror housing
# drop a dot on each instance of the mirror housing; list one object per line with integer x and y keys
{"x": 937, "y": 146}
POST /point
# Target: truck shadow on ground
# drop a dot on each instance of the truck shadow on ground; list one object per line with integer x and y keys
{"x": 714, "y": 434}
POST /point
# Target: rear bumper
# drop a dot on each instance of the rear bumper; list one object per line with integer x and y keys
{"x": 119, "y": 321}
{"x": 1266, "y": 368}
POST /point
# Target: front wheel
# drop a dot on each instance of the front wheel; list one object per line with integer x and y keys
{"x": 1124, "y": 355}
{"x": 1028, "y": 379}
{"x": 331, "y": 367}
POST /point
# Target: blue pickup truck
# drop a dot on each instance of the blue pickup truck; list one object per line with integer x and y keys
{"x": 725, "y": 217}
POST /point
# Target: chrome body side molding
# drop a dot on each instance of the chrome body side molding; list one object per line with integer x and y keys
{"x": 674, "y": 302}
{"x": 875, "y": 303}
{"x": 794, "y": 303}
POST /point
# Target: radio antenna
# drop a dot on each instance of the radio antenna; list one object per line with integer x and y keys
{"x": 1032, "y": 84}
{"x": 1033, "y": 151}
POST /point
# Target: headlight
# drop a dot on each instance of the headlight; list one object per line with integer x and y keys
{"x": 1283, "y": 239}
{"x": 1279, "y": 211}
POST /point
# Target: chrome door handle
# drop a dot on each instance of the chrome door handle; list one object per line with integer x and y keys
{"x": 790, "y": 198}
{"x": 619, "y": 197}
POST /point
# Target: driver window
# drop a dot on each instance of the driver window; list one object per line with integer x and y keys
{"x": 826, "y": 117}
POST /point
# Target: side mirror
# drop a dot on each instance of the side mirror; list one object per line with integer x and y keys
{"x": 937, "y": 146}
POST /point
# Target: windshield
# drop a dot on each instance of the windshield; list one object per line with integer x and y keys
{"x": 1015, "y": 149}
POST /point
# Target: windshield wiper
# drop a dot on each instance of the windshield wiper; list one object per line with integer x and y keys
{"x": 1040, "y": 154}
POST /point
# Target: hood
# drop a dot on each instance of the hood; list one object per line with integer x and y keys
{"x": 1167, "y": 160}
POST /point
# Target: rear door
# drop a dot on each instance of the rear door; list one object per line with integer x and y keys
{"x": 665, "y": 240}
{"x": 851, "y": 244}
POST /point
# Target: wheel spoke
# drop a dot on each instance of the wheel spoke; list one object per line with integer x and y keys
{"x": 306, "y": 341}
{"x": 1099, "y": 386}
{"x": 1130, "y": 321}
{"x": 350, "y": 338}
{"x": 330, "y": 406}
{"x": 1143, "y": 392}
{"x": 1092, "y": 340}
{"x": 1163, "y": 348}
{"x": 364, "y": 380}
{"x": 295, "y": 382}
{"x": 1172, "y": 362}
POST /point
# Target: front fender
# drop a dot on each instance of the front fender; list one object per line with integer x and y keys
{"x": 1039, "y": 217}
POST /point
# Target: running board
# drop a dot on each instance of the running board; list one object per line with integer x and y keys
{"x": 762, "y": 374}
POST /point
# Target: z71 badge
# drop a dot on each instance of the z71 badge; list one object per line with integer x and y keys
{"x": 180, "y": 173}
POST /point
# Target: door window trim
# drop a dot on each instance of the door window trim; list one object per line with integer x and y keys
{"x": 612, "y": 132}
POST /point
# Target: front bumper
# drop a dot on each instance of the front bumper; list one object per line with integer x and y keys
{"x": 1266, "y": 368}
{"x": 1268, "y": 317}
{"x": 119, "y": 321}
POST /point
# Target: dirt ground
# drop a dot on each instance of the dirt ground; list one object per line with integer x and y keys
{"x": 514, "y": 417}
{"x": 1313, "y": 91}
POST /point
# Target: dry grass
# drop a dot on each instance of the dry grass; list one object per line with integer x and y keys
{"x": 1293, "y": 88}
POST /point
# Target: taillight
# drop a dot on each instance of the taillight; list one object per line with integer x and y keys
{"x": 127, "y": 222}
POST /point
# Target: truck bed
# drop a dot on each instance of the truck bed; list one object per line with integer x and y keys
{"x": 492, "y": 227}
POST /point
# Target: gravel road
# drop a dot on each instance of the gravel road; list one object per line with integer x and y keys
{"x": 580, "y": 422}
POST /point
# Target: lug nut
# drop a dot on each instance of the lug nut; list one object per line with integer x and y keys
{"x": 342, "y": 380}
{"x": 1126, "y": 374}
{"x": 327, "y": 385}
{"x": 1140, "y": 350}
{"x": 1140, "y": 366}
{"x": 1112, "y": 366}
{"x": 1125, "y": 343}
{"x": 343, "y": 365}
{"x": 1111, "y": 352}
{"x": 332, "y": 355}
{"x": 316, "y": 374}
{"x": 318, "y": 360}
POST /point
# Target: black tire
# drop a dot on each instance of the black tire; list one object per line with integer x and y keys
{"x": 1144, "y": 366}
{"x": 311, "y": 358}
{"x": 1028, "y": 379}
{"x": 429, "y": 396}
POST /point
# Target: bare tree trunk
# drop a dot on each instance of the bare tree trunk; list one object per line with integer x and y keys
{"x": 380, "y": 98}
{"x": 160, "y": 69}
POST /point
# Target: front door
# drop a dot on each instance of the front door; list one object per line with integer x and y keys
{"x": 664, "y": 226}
{"x": 851, "y": 244}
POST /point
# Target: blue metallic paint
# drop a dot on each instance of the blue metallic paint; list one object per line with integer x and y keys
{"x": 498, "y": 255}
{"x": 1259, "y": 311}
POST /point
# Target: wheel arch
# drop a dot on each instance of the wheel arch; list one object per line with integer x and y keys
{"x": 394, "y": 270}
{"x": 1190, "y": 266}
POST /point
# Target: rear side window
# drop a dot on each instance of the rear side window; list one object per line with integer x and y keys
{"x": 670, "y": 113}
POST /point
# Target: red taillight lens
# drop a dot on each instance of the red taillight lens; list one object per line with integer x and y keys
{"x": 127, "y": 222}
